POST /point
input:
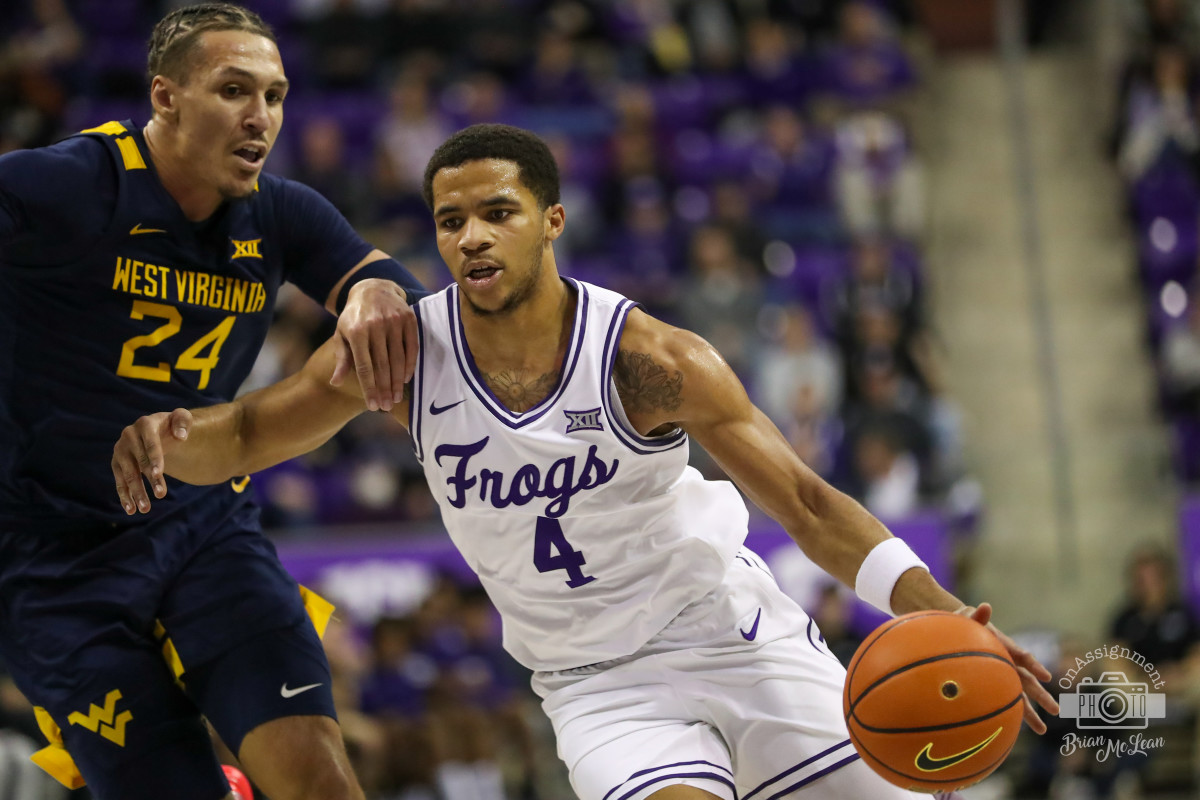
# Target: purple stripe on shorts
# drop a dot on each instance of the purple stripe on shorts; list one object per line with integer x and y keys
{"x": 710, "y": 775}
{"x": 801, "y": 765}
{"x": 639, "y": 773}
{"x": 814, "y": 776}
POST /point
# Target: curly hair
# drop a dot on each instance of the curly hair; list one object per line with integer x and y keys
{"x": 174, "y": 40}
{"x": 539, "y": 172}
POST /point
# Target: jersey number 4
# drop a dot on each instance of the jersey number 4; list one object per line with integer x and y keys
{"x": 552, "y": 551}
{"x": 190, "y": 359}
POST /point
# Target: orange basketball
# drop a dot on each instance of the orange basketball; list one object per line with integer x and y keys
{"x": 933, "y": 701}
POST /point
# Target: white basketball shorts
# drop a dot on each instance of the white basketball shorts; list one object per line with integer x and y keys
{"x": 738, "y": 696}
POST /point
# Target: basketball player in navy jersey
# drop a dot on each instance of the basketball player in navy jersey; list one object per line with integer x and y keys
{"x": 139, "y": 267}
{"x": 552, "y": 419}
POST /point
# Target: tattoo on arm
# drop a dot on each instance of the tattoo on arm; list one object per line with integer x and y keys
{"x": 644, "y": 385}
{"x": 518, "y": 392}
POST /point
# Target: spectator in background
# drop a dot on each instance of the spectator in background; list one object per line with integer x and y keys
{"x": 39, "y": 45}
{"x": 887, "y": 475}
{"x": 879, "y": 185}
{"x": 867, "y": 66}
{"x": 479, "y": 96}
{"x": 721, "y": 298}
{"x": 798, "y": 384}
{"x": 877, "y": 337}
{"x": 797, "y": 358}
{"x": 874, "y": 279}
{"x": 791, "y": 170}
{"x": 322, "y": 164}
{"x": 634, "y": 164}
{"x": 344, "y": 45}
{"x": 580, "y": 175}
{"x": 1159, "y": 116}
{"x": 646, "y": 250}
{"x": 1154, "y": 620}
{"x": 776, "y": 70}
{"x": 555, "y": 77}
{"x": 732, "y": 208}
{"x": 413, "y": 127}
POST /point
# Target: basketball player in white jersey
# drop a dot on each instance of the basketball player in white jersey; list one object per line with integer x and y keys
{"x": 552, "y": 418}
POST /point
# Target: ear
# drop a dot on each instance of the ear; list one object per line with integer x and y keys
{"x": 555, "y": 219}
{"x": 163, "y": 92}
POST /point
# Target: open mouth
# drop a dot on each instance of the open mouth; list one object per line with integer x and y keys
{"x": 251, "y": 155}
{"x": 483, "y": 274}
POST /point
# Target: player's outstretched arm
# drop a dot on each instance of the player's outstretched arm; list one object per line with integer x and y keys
{"x": 213, "y": 444}
{"x": 669, "y": 376}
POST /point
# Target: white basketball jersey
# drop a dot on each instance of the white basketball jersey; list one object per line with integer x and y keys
{"x": 588, "y": 537}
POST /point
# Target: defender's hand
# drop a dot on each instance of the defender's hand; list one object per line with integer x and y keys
{"x": 141, "y": 452}
{"x": 377, "y": 337}
{"x": 1032, "y": 673}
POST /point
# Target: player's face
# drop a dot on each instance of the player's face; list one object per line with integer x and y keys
{"x": 492, "y": 234}
{"x": 230, "y": 110}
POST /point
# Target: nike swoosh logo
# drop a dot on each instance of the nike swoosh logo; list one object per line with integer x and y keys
{"x": 749, "y": 635}
{"x": 239, "y": 484}
{"x": 435, "y": 409}
{"x": 927, "y": 763}
{"x": 287, "y": 693}
{"x": 138, "y": 229}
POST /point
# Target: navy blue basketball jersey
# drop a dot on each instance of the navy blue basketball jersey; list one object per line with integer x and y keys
{"x": 114, "y": 305}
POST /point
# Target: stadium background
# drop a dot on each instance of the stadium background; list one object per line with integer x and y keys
{"x": 949, "y": 246}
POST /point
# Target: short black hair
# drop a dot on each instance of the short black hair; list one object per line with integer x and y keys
{"x": 538, "y": 171}
{"x": 173, "y": 42}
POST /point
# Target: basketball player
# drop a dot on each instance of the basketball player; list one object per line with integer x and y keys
{"x": 552, "y": 418}
{"x": 139, "y": 268}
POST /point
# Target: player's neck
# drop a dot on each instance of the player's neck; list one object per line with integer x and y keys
{"x": 197, "y": 200}
{"x": 533, "y": 334}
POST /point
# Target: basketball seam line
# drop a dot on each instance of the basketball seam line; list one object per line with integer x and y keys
{"x": 867, "y": 645}
{"x": 922, "y": 662}
{"x": 947, "y": 726}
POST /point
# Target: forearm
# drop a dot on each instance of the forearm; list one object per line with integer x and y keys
{"x": 263, "y": 428}
{"x": 213, "y": 451}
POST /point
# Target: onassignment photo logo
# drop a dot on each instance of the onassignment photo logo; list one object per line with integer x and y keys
{"x": 1118, "y": 700}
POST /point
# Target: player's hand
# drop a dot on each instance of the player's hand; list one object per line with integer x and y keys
{"x": 141, "y": 453}
{"x": 1032, "y": 673}
{"x": 377, "y": 338}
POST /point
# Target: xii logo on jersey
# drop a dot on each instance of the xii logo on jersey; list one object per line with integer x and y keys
{"x": 583, "y": 420}
{"x": 100, "y": 720}
{"x": 246, "y": 249}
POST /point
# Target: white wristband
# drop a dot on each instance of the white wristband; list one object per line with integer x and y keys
{"x": 880, "y": 570}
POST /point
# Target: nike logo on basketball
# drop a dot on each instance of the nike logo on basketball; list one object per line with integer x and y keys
{"x": 435, "y": 409}
{"x": 750, "y": 634}
{"x": 138, "y": 229}
{"x": 927, "y": 763}
{"x": 288, "y": 693}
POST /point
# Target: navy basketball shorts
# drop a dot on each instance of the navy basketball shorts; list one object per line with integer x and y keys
{"x": 126, "y": 636}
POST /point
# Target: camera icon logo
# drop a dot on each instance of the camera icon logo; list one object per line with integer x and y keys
{"x": 1112, "y": 702}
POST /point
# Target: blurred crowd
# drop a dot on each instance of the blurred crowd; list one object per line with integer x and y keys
{"x": 1154, "y": 146}
{"x": 744, "y": 168}
{"x": 748, "y": 169}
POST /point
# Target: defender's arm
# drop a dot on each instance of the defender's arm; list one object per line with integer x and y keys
{"x": 261, "y": 429}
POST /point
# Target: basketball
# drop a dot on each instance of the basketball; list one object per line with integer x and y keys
{"x": 933, "y": 701}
